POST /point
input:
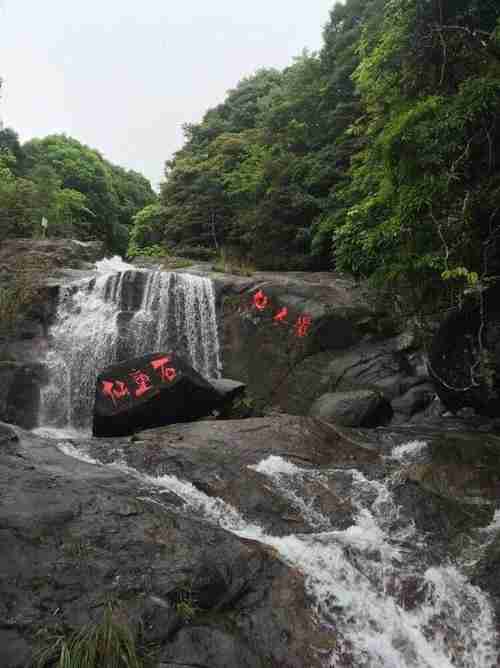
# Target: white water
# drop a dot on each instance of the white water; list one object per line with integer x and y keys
{"x": 123, "y": 312}
{"x": 358, "y": 577}
{"x": 411, "y": 450}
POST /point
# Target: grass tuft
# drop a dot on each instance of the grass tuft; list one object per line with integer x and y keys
{"x": 108, "y": 644}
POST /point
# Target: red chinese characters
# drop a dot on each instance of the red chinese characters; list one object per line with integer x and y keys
{"x": 167, "y": 373}
{"x": 302, "y": 325}
{"x": 260, "y": 300}
{"x": 143, "y": 382}
{"x": 115, "y": 390}
{"x": 281, "y": 315}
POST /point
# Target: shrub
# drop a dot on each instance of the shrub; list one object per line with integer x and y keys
{"x": 155, "y": 250}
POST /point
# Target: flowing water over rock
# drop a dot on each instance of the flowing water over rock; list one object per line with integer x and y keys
{"x": 124, "y": 312}
{"x": 376, "y": 586}
{"x": 386, "y": 588}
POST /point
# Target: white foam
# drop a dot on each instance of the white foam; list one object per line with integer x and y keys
{"x": 408, "y": 451}
{"x": 113, "y": 265}
{"x": 58, "y": 434}
{"x": 348, "y": 574}
{"x": 288, "y": 479}
{"x": 274, "y": 465}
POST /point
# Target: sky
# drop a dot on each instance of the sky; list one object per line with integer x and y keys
{"x": 124, "y": 75}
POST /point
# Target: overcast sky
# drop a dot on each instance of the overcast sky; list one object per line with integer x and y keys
{"x": 123, "y": 75}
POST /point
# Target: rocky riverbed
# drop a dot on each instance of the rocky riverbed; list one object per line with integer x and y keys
{"x": 297, "y": 539}
{"x": 294, "y": 542}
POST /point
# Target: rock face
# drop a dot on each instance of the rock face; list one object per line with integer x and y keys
{"x": 357, "y": 408}
{"x": 20, "y": 392}
{"x": 151, "y": 391}
{"x": 465, "y": 356}
{"x": 295, "y": 337}
{"x": 415, "y": 400}
{"x": 22, "y": 348}
{"x": 58, "y": 253}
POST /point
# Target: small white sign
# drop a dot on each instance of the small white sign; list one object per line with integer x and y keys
{"x": 45, "y": 222}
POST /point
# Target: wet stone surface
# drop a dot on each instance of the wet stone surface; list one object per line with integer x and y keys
{"x": 285, "y": 541}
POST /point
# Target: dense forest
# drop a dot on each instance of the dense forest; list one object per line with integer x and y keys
{"x": 81, "y": 194}
{"x": 378, "y": 156}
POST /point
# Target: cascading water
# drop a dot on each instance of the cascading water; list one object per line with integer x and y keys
{"x": 123, "y": 312}
{"x": 357, "y": 576}
{"x": 387, "y": 605}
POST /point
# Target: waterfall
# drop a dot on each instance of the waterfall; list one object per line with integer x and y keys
{"x": 123, "y": 312}
{"x": 357, "y": 576}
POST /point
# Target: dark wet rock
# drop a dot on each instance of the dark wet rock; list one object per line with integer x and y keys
{"x": 486, "y": 569}
{"x": 437, "y": 516}
{"x": 226, "y": 388}
{"x": 20, "y": 392}
{"x": 357, "y": 408}
{"x": 379, "y": 365}
{"x": 264, "y": 347}
{"x": 150, "y": 391}
{"x": 213, "y": 648}
{"x": 7, "y": 437}
{"x": 217, "y": 458}
{"x": 75, "y": 536}
{"x": 15, "y": 652}
{"x": 464, "y": 467}
{"x": 465, "y": 356}
{"x": 58, "y": 253}
{"x": 232, "y": 400}
{"x": 51, "y": 262}
{"x": 414, "y": 400}
{"x": 350, "y": 345}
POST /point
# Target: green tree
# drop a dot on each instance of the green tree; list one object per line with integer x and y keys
{"x": 80, "y": 192}
{"x": 423, "y": 198}
{"x": 147, "y": 228}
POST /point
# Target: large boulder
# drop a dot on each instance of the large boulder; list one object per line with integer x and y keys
{"x": 465, "y": 356}
{"x": 416, "y": 399}
{"x": 150, "y": 391}
{"x": 282, "y": 331}
{"x": 357, "y": 408}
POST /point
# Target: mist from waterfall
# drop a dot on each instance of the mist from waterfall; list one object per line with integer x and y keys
{"x": 123, "y": 312}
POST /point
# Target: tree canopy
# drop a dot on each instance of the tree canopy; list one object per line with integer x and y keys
{"x": 378, "y": 155}
{"x": 79, "y": 192}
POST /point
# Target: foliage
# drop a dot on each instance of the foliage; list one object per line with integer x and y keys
{"x": 80, "y": 193}
{"x": 378, "y": 155}
{"x": 184, "y": 599}
{"x": 186, "y": 609}
{"x": 243, "y": 407}
{"x": 146, "y": 229}
{"x": 256, "y": 174}
{"x": 154, "y": 251}
{"x": 108, "y": 644}
{"x": 423, "y": 199}
{"x": 233, "y": 264}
